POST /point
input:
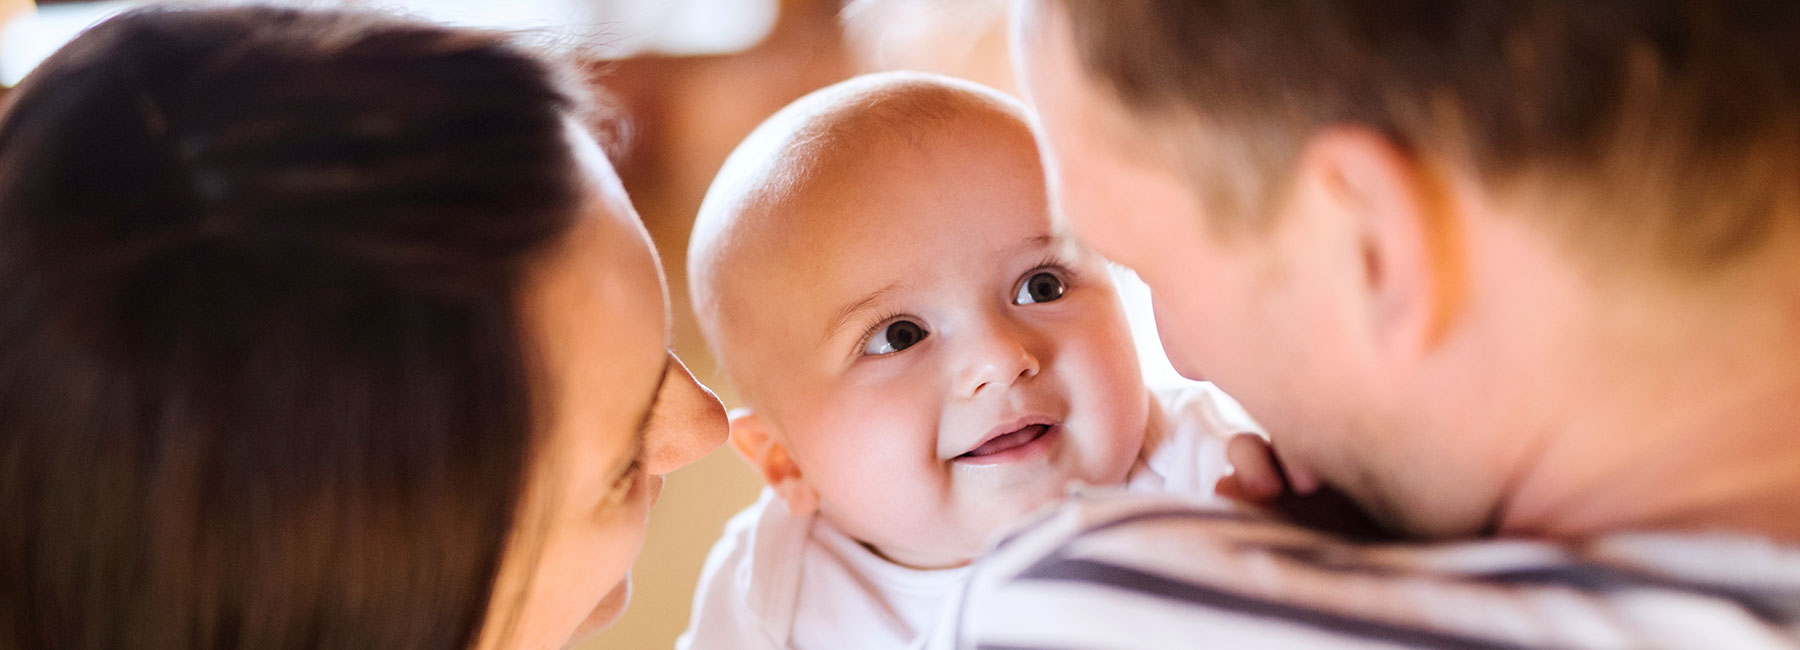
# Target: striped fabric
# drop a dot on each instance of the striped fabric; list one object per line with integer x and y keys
{"x": 1155, "y": 572}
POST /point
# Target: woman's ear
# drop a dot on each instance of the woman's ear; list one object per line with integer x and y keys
{"x": 753, "y": 438}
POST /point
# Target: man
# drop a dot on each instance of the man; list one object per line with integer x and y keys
{"x": 1520, "y": 278}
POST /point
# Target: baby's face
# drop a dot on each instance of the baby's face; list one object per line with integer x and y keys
{"x": 938, "y": 359}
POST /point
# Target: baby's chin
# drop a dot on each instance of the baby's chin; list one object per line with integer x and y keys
{"x": 923, "y": 559}
{"x": 982, "y": 525}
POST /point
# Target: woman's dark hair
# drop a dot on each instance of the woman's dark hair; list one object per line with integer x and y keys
{"x": 264, "y": 382}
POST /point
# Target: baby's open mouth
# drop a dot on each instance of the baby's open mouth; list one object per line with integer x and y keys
{"x": 1007, "y": 442}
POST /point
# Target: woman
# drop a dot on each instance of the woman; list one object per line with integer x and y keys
{"x": 322, "y": 330}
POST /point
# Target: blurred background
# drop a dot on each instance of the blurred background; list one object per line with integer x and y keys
{"x": 690, "y": 78}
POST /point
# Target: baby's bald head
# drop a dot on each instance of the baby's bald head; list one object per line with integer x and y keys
{"x": 773, "y": 218}
{"x": 878, "y": 272}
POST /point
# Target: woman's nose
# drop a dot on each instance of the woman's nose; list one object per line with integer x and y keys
{"x": 996, "y": 358}
{"x": 688, "y": 422}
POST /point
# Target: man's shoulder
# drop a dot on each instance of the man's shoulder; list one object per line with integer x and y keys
{"x": 1156, "y": 571}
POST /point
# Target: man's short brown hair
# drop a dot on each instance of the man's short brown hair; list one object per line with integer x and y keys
{"x": 1673, "y": 126}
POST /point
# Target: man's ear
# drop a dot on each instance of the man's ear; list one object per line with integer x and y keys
{"x": 755, "y": 440}
{"x": 1409, "y": 238}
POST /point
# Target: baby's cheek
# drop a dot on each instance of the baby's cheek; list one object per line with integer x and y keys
{"x": 1105, "y": 365}
{"x": 1109, "y": 390}
{"x": 887, "y": 480}
{"x": 922, "y": 514}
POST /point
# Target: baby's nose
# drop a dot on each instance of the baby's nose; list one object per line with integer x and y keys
{"x": 1001, "y": 360}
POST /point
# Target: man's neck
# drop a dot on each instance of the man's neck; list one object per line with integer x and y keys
{"x": 1677, "y": 414}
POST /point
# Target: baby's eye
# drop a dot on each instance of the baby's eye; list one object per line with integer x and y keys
{"x": 898, "y": 335}
{"x": 1042, "y": 286}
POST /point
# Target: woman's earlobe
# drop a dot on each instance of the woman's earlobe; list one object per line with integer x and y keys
{"x": 751, "y": 436}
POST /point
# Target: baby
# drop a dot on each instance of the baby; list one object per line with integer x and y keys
{"x": 924, "y": 357}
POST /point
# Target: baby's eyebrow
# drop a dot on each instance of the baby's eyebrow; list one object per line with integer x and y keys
{"x": 851, "y": 310}
{"x": 1060, "y": 242}
{"x": 1055, "y": 239}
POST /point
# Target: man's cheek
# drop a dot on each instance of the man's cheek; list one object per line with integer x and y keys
{"x": 1182, "y": 359}
{"x": 1182, "y": 339}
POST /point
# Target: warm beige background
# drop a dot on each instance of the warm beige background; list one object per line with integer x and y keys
{"x": 10, "y": 8}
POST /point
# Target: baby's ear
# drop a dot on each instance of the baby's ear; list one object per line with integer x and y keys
{"x": 753, "y": 438}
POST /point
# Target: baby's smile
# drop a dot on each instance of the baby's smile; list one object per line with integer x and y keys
{"x": 1012, "y": 442}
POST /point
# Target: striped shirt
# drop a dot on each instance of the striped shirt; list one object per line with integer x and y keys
{"x": 1158, "y": 572}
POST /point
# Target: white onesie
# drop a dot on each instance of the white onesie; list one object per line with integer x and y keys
{"x": 778, "y": 582}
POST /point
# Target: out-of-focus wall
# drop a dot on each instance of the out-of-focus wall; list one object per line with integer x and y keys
{"x": 11, "y": 8}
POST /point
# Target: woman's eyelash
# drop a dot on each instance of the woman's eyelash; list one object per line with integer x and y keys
{"x": 621, "y": 487}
